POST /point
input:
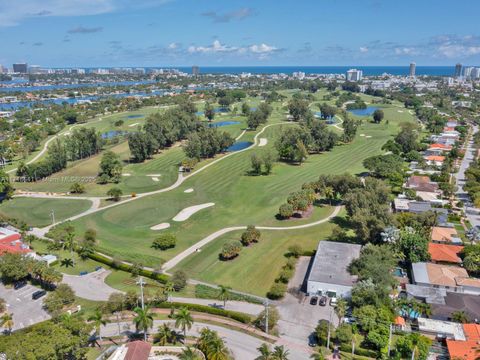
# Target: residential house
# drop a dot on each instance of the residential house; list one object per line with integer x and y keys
{"x": 329, "y": 274}
{"x": 444, "y": 253}
{"x": 470, "y": 304}
{"x": 444, "y": 235}
{"x": 450, "y": 278}
{"x": 439, "y": 328}
{"x": 434, "y": 160}
{"x": 425, "y": 189}
{"x": 468, "y": 349}
{"x": 11, "y": 242}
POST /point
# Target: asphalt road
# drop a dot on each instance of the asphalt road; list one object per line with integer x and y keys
{"x": 25, "y": 311}
{"x": 241, "y": 345}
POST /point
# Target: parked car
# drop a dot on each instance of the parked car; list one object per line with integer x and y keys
{"x": 38, "y": 294}
{"x": 313, "y": 300}
{"x": 19, "y": 284}
{"x": 323, "y": 301}
{"x": 349, "y": 320}
{"x": 333, "y": 301}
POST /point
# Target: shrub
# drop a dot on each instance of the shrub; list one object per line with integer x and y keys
{"x": 238, "y": 316}
{"x": 285, "y": 211}
{"x": 115, "y": 193}
{"x": 77, "y": 188}
{"x": 230, "y": 250}
{"x": 179, "y": 280}
{"x": 208, "y": 292}
{"x": 277, "y": 291}
{"x": 251, "y": 235}
{"x": 295, "y": 250}
{"x": 164, "y": 242}
{"x": 285, "y": 275}
{"x": 273, "y": 318}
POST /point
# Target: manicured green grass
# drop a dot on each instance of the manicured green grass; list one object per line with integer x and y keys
{"x": 257, "y": 266}
{"x": 240, "y": 199}
{"x": 36, "y": 212}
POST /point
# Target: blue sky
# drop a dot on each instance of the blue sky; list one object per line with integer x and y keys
{"x": 230, "y": 32}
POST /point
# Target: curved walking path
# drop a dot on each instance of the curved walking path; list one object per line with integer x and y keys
{"x": 127, "y": 198}
{"x": 192, "y": 249}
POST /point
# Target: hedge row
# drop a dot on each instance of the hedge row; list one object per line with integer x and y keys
{"x": 358, "y": 350}
{"x": 128, "y": 268}
{"x": 208, "y": 292}
{"x": 234, "y": 315}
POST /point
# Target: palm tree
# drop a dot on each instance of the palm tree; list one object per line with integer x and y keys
{"x": 164, "y": 335}
{"x": 168, "y": 289}
{"x": 279, "y": 353}
{"x": 69, "y": 242}
{"x": 67, "y": 262}
{"x": 98, "y": 321}
{"x": 265, "y": 353}
{"x": 460, "y": 317}
{"x": 189, "y": 353}
{"x": 329, "y": 194}
{"x": 183, "y": 320}
{"x": 217, "y": 350}
{"x": 7, "y": 321}
{"x": 317, "y": 356}
{"x": 143, "y": 320}
{"x": 341, "y": 308}
{"x": 224, "y": 294}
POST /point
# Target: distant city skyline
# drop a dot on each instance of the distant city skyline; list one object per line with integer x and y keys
{"x": 100, "y": 33}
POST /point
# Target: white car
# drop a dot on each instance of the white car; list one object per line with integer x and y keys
{"x": 333, "y": 301}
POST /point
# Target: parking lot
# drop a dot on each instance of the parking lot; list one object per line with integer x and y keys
{"x": 25, "y": 311}
{"x": 298, "y": 317}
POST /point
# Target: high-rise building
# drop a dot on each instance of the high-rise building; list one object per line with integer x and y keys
{"x": 475, "y": 73}
{"x": 34, "y": 69}
{"x": 354, "y": 75}
{"x": 195, "y": 70}
{"x": 20, "y": 68}
{"x": 467, "y": 72}
{"x": 458, "y": 70}
{"x": 2, "y": 69}
{"x": 413, "y": 67}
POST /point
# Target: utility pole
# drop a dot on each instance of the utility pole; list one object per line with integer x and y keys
{"x": 266, "y": 316}
{"x": 329, "y": 326}
{"x": 389, "y": 338}
{"x": 118, "y": 322}
{"x": 52, "y": 214}
{"x": 141, "y": 282}
{"x": 413, "y": 353}
{"x": 353, "y": 348}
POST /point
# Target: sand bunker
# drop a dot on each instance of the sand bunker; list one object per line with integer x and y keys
{"x": 132, "y": 125}
{"x": 400, "y": 111}
{"x": 362, "y": 134}
{"x": 189, "y": 211}
{"x": 126, "y": 174}
{"x": 188, "y": 191}
{"x": 156, "y": 179}
{"x": 154, "y": 175}
{"x": 262, "y": 142}
{"x": 368, "y": 136}
{"x": 160, "y": 226}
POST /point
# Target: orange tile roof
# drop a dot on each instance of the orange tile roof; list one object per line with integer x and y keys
{"x": 399, "y": 321}
{"x": 447, "y": 128}
{"x": 463, "y": 350}
{"x": 445, "y": 275}
{"x": 435, "y": 158}
{"x": 468, "y": 281}
{"x": 442, "y": 234}
{"x": 441, "y": 146}
{"x": 446, "y": 253}
{"x": 472, "y": 331}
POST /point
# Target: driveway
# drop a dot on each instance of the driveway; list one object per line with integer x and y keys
{"x": 91, "y": 286}
{"x": 298, "y": 317}
{"x": 26, "y": 311}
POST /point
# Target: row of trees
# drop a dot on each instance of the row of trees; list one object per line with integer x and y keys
{"x": 82, "y": 143}
{"x": 298, "y": 201}
{"x": 55, "y": 161}
{"x": 231, "y": 249}
{"x": 259, "y": 116}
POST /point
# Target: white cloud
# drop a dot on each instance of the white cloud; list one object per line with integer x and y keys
{"x": 363, "y": 49}
{"x": 262, "y": 49}
{"x": 13, "y": 12}
{"x": 456, "y": 51}
{"x": 405, "y": 51}
{"x": 173, "y": 46}
{"x": 216, "y": 47}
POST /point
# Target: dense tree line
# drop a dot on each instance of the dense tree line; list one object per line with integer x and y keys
{"x": 206, "y": 142}
{"x": 83, "y": 143}
{"x": 259, "y": 116}
{"x": 55, "y": 161}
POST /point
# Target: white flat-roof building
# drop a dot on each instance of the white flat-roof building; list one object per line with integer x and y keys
{"x": 329, "y": 273}
{"x": 354, "y": 75}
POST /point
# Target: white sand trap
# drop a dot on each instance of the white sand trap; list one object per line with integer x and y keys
{"x": 368, "y": 136}
{"x": 160, "y": 226}
{"x": 156, "y": 179}
{"x": 189, "y": 211}
{"x": 188, "y": 191}
{"x": 126, "y": 174}
{"x": 362, "y": 134}
{"x": 154, "y": 175}
{"x": 262, "y": 142}
{"x": 132, "y": 125}
{"x": 400, "y": 111}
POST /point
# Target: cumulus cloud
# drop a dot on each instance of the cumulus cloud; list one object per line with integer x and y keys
{"x": 262, "y": 50}
{"x": 239, "y": 14}
{"x": 216, "y": 47}
{"x": 13, "y": 12}
{"x": 85, "y": 30}
{"x": 363, "y": 49}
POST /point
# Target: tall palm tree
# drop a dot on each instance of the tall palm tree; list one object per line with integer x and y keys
{"x": 329, "y": 194}
{"x": 279, "y": 353}
{"x": 265, "y": 352}
{"x": 341, "y": 308}
{"x": 7, "y": 322}
{"x": 184, "y": 321}
{"x": 460, "y": 316}
{"x": 69, "y": 242}
{"x": 168, "y": 289}
{"x": 143, "y": 320}
{"x": 224, "y": 294}
{"x": 98, "y": 321}
{"x": 317, "y": 356}
{"x": 189, "y": 353}
{"x": 217, "y": 350}
{"x": 67, "y": 262}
